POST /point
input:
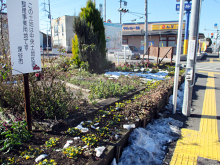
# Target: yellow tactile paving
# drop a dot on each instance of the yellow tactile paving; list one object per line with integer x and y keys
{"x": 203, "y": 143}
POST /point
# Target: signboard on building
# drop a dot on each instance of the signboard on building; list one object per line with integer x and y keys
{"x": 23, "y": 23}
{"x": 113, "y": 35}
{"x": 166, "y": 26}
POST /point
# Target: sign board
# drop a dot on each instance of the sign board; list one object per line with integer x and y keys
{"x": 166, "y": 26}
{"x": 113, "y": 36}
{"x": 23, "y": 23}
{"x": 215, "y": 25}
{"x": 187, "y": 6}
{"x": 192, "y": 47}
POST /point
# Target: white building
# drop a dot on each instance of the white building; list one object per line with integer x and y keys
{"x": 62, "y": 32}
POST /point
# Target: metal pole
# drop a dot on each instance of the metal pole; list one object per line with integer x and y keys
{"x": 104, "y": 10}
{"x": 51, "y": 42}
{"x": 47, "y": 44}
{"x": 191, "y": 57}
{"x": 216, "y": 40}
{"x": 125, "y": 54}
{"x": 120, "y": 12}
{"x": 178, "y": 51}
{"x": 186, "y": 31}
{"x": 27, "y": 102}
{"x": 146, "y": 29}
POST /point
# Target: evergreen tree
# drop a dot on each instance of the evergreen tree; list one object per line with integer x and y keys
{"x": 93, "y": 17}
{"x": 88, "y": 44}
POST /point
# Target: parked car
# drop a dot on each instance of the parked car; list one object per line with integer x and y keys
{"x": 208, "y": 50}
{"x": 131, "y": 52}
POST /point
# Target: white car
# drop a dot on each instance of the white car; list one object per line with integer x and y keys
{"x": 131, "y": 52}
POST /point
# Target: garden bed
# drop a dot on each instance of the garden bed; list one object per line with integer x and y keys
{"x": 140, "y": 107}
{"x": 62, "y": 117}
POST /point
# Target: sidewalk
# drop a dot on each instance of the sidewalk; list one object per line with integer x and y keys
{"x": 199, "y": 143}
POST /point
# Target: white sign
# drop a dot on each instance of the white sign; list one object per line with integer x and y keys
{"x": 23, "y": 22}
{"x": 113, "y": 36}
{"x": 192, "y": 44}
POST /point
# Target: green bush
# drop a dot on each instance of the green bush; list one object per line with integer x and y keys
{"x": 75, "y": 51}
{"x": 13, "y": 134}
{"x": 49, "y": 97}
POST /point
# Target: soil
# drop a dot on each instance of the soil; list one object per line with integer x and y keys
{"x": 40, "y": 137}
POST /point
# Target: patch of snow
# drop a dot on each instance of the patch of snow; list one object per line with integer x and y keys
{"x": 85, "y": 147}
{"x": 42, "y": 156}
{"x": 146, "y": 146}
{"x": 145, "y": 76}
{"x": 76, "y": 138}
{"x": 114, "y": 162}
{"x": 128, "y": 126}
{"x": 68, "y": 142}
{"x": 99, "y": 151}
{"x": 84, "y": 130}
{"x": 179, "y": 103}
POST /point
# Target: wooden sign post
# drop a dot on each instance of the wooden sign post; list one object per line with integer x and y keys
{"x": 23, "y": 26}
{"x": 27, "y": 102}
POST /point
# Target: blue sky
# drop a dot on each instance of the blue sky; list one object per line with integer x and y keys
{"x": 159, "y": 10}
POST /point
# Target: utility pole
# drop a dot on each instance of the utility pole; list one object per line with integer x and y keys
{"x": 146, "y": 29}
{"x": 104, "y": 10}
{"x": 120, "y": 12}
{"x": 191, "y": 57}
{"x": 178, "y": 51}
{"x": 51, "y": 41}
{"x": 49, "y": 17}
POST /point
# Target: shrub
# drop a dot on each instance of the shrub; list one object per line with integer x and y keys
{"x": 14, "y": 134}
{"x": 75, "y": 51}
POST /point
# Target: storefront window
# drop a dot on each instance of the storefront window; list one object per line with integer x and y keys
{"x": 124, "y": 41}
{"x": 163, "y": 38}
{"x": 171, "y": 43}
{"x": 171, "y": 38}
{"x": 163, "y": 44}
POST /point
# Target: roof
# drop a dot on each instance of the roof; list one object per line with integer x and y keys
{"x": 156, "y": 32}
{"x": 133, "y": 23}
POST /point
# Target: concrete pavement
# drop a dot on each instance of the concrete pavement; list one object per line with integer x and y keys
{"x": 199, "y": 142}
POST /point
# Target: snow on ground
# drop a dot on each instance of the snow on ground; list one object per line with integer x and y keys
{"x": 148, "y": 145}
{"x": 147, "y": 75}
{"x": 179, "y": 102}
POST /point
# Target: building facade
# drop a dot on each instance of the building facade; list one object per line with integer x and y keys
{"x": 62, "y": 32}
{"x": 160, "y": 34}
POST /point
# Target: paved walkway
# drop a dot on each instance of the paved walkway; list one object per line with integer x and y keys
{"x": 199, "y": 143}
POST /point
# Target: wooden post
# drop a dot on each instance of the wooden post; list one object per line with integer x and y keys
{"x": 148, "y": 53}
{"x": 171, "y": 56}
{"x": 158, "y": 55}
{"x": 27, "y": 102}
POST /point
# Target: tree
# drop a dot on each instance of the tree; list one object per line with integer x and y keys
{"x": 88, "y": 44}
{"x": 210, "y": 41}
{"x": 93, "y": 17}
